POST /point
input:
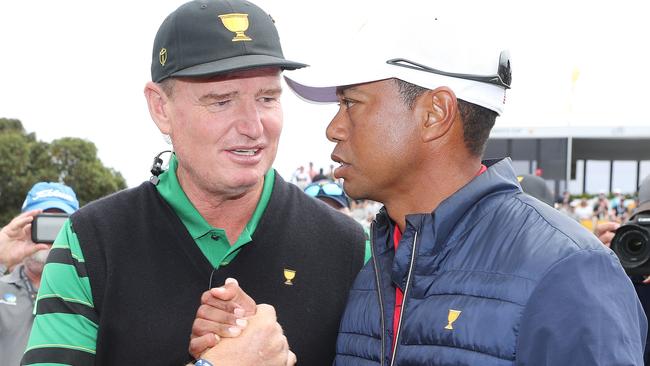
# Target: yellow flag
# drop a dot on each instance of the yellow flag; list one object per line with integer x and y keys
{"x": 575, "y": 75}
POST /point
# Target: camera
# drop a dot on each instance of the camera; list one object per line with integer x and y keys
{"x": 46, "y": 227}
{"x": 631, "y": 244}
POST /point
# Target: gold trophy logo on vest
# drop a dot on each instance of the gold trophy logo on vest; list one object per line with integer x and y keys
{"x": 289, "y": 274}
{"x": 451, "y": 318}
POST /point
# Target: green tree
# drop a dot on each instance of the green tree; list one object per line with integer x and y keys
{"x": 77, "y": 164}
{"x": 24, "y": 161}
{"x": 14, "y": 169}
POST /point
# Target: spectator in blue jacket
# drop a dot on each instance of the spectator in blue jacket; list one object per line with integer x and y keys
{"x": 467, "y": 270}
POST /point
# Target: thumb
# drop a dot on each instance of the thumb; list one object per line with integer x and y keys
{"x": 291, "y": 359}
{"x": 36, "y": 248}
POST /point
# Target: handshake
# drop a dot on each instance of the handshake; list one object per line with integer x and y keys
{"x": 230, "y": 329}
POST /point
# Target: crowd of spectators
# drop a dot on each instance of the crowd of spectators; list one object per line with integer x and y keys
{"x": 588, "y": 211}
{"x": 598, "y": 209}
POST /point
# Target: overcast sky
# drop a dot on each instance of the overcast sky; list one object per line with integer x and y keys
{"x": 73, "y": 68}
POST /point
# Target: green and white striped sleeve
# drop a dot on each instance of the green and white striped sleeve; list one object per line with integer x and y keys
{"x": 65, "y": 326}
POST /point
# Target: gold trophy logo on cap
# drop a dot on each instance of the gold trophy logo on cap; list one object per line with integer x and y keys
{"x": 238, "y": 23}
{"x": 289, "y": 275}
{"x": 162, "y": 56}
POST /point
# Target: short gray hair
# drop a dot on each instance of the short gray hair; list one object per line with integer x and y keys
{"x": 167, "y": 87}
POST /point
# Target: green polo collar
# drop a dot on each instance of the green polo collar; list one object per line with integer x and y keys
{"x": 199, "y": 229}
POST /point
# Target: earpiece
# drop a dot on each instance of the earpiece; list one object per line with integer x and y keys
{"x": 156, "y": 167}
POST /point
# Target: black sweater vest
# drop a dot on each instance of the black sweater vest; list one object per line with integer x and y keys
{"x": 147, "y": 274}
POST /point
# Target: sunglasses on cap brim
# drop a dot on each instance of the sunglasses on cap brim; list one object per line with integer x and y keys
{"x": 330, "y": 189}
{"x": 502, "y": 78}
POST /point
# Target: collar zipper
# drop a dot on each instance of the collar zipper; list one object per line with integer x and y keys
{"x": 406, "y": 290}
{"x": 381, "y": 303}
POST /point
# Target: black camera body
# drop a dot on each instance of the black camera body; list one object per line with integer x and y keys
{"x": 46, "y": 226}
{"x": 631, "y": 244}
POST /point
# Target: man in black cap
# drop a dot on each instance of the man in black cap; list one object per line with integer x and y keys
{"x": 126, "y": 286}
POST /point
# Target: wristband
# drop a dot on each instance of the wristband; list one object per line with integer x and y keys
{"x": 202, "y": 362}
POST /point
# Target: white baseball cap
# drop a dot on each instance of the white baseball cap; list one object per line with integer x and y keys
{"x": 423, "y": 50}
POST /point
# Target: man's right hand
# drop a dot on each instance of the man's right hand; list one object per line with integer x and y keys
{"x": 222, "y": 314}
{"x": 16, "y": 239}
{"x": 260, "y": 344}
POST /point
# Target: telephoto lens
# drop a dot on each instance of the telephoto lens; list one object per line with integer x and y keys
{"x": 631, "y": 242}
{"x": 632, "y": 245}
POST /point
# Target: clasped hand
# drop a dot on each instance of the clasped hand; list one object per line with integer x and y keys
{"x": 230, "y": 329}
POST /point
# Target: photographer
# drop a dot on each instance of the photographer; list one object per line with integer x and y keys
{"x": 25, "y": 260}
{"x": 608, "y": 233}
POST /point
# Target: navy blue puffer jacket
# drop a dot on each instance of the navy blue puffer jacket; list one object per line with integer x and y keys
{"x": 492, "y": 277}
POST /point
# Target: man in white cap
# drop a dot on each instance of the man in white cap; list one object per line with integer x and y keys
{"x": 466, "y": 269}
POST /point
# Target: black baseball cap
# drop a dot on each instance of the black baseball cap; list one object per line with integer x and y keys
{"x": 536, "y": 186}
{"x": 204, "y": 38}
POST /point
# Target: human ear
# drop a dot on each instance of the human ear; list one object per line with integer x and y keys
{"x": 438, "y": 109}
{"x": 157, "y": 101}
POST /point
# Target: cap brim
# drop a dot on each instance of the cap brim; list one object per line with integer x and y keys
{"x": 319, "y": 83}
{"x": 238, "y": 63}
{"x": 45, "y": 205}
{"x": 313, "y": 94}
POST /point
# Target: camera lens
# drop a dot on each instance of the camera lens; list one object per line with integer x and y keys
{"x": 634, "y": 243}
{"x": 632, "y": 248}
